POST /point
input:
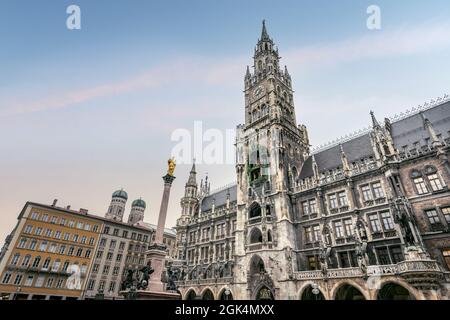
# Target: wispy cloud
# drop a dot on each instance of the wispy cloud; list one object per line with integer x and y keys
{"x": 211, "y": 71}
{"x": 374, "y": 45}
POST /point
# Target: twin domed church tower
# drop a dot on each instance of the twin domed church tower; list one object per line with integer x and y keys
{"x": 116, "y": 209}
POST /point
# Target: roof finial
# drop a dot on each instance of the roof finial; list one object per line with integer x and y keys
{"x": 375, "y": 123}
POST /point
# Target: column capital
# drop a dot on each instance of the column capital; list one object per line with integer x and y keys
{"x": 168, "y": 179}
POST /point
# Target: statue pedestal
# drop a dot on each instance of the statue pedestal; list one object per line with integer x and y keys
{"x": 157, "y": 295}
{"x": 156, "y": 255}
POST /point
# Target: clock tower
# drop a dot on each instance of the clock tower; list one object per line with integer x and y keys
{"x": 271, "y": 149}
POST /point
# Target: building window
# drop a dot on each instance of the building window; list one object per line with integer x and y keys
{"x": 50, "y": 282}
{"x": 29, "y": 281}
{"x": 102, "y": 242}
{"x": 119, "y": 257}
{"x": 38, "y": 231}
{"x": 46, "y": 264}
{"x": 446, "y": 213}
{"x": 116, "y": 271}
{"x": 388, "y": 223}
{"x": 124, "y": 234}
{"x": 312, "y": 263}
{"x": 59, "y": 283}
{"x": 6, "y": 278}
{"x": 106, "y": 230}
{"x": 420, "y": 185}
{"x": 18, "y": 279}
{"x": 75, "y": 238}
{"x": 88, "y": 253}
{"x": 308, "y": 235}
{"x": 28, "y": 229}
{"x": 34, "y": 215}
{"x": 48, "y": 233}
{"x": 305, "y": 208}
{"x": 36, "y": 262}
{"x": 105, "y": 269}
{"x": 338, "y": 230}
{"x": 70, "y": 252}
{"x": 15, "y": 259}
{"x": 348, "y": 224}
{"x": 433, "y": 216}
{"x": 83, "y": 269}
{"x": 95, "y": 268}
{"x": 343, "y": 259}
{"x": 112, "y": 244}
{"x": 79, "y": 252}
{"x": 109, "y": 256}
{"x": 40, "y": 281}
{"x": 316, "y": 232}
{"x": 79, "y": 225}
{"x": 396, "y": 254}
{"x": 58, "y": 234}
{"x": 22, "y": 243}
{"x": 66, "y": 236}
{"x": 112, "y": 286}
{"x": 383, "y": 256}
{"x": 99, "y": 254}
{"x": 91, "y": 241}
{"x": 33, "y": 245}
{"x": 122, "y": 245}
{"x": 446, "y": 255}
{"x": 83, "y": 240}
{"x": 435, "y": 182}
{"x": 95, "y": 228}
{"x": 65, "y": 266}
{"x": 342, "y": 199}
{"x": 101, "y": 285}
{"x": 91, "y": 284}
{"x": 374, "y": 223}
{"x": 45, "y": 217}
{"x": 56, "y": 265}
{"x": 62, "y": 249}
{"x": 62, "y": 222}
{"x": 26, "y": 260}
{"x": 43, "y": 246}
{"x": 366, "y": 192}
{"x": 333, "y": 201}
{"x": 115, "y": 232}
{"x": 377, "y": 190}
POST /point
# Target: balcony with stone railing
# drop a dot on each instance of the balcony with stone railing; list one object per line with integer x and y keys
{"x": 405, "y": 269}
{"x": 211, "y": 281}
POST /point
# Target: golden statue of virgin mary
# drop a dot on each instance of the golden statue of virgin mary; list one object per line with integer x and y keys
{"x": 172, "y": 164}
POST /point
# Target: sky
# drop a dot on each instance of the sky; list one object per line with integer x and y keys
{"x": 86, "y": 112}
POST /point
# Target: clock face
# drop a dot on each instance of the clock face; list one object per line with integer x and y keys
{"x": 259, "y": 91}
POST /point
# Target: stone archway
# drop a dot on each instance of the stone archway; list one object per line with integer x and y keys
{"x": 394, "y": 291}
{"x": 207, "y": 295}
{"x": 310, "y": 293}
{"x": 226, "y": 294}
{"x": 191, "y": 295}
{"x": 348, "y": 292}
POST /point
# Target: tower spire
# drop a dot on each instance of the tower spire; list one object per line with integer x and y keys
{"x": 375, "y": 123}
{"x": 264, "y": 34}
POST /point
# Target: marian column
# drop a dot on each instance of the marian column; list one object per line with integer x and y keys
{"x": 157, "y": 252}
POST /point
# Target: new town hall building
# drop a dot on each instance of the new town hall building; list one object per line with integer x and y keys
{"x": 365, "y": 218}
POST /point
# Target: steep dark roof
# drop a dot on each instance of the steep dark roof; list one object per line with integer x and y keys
{"x": 355, "y": 149}
{"x": 411, "y": 130}
{"x": 220, "y": 197}
{"x": 405, "y": 132}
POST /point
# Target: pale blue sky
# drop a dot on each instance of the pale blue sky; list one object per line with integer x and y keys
{"x": 85, "y": 112}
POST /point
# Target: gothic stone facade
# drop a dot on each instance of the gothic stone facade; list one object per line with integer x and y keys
{"x": 367, "y": 218}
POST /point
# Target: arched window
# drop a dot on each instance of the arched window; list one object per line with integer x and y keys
{"x": 56, "y": 265}
{"x": 208, "y": 295}
{"x": 46, "y": 264}
{"x": 26, "y": 260}
{"x": 15, "y": 259}
{"x": 255, "y": 236}
{"x": 255, "y": 211}
{"x": 191, "y": 295}
{"x": 36, "y": 262}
